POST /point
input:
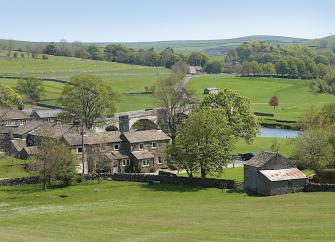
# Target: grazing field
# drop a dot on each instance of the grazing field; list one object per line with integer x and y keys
{"x": 122, "y": 77}
{"x": 295, "y": 95}
{"x": 11, "y": 167}
{"x": 121, "y": 211}
{"x": 286, "y": 146}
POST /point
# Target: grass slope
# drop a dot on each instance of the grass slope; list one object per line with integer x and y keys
{"x": 11, "y": 167}
{"x": 120, "y": 211}
{"x": 122, "y": 77}
{"x": 295, "y": 95}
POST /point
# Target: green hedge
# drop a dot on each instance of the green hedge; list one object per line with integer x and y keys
{"x": 325, "y": 176}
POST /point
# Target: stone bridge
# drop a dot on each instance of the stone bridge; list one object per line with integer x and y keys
{"x": 126, "y": 120}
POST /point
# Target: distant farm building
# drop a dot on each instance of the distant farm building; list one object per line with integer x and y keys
{"x": 270, "y": 173}
{"x": 195, "y": 70}
{"x": 211, "y": 90}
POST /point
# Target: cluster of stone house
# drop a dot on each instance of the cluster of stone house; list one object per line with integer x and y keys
{"x": 117, "y": 152}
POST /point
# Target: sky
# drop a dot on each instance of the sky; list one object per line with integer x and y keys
{"x": 155, "y": 20}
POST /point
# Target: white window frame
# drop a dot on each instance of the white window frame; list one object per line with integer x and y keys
{"x": 118, "y": 146}
{"x": 145, "y": 163}
{"x": 139, "y": 146}
{"x": 154, "y": 147}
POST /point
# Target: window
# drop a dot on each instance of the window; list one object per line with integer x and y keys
{"x": 145, "y": 163}
{"x": 160, "y": 160}
{"x": 289, "y": 185}
{"x": 80, "y": 149}
{"x": 154, "y": 145}
{"x": 116, "y": 147}
{"x": 126, "y": 162}
{"x": 141, "y": 146}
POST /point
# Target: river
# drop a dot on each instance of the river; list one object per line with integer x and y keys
{"x": 278, "y": 133}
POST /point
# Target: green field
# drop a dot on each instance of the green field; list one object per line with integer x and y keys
{"x": 11, "y": 167}
{"x": 120, "y": 211}
{"x": 286, "y": 146}
{"x": 295, "y": 95}
{"x": 122, "y": 77}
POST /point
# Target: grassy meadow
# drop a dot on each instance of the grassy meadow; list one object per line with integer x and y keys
{"x": 122, "y": 77}
{"x": 295, "y": 95}
{"x": 122, "y": 211}
{"x": 11, "y": 167}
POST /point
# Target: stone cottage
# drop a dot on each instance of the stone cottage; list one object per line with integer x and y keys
{"x": 146, "y": 149}
{"x": 270, "y": 173}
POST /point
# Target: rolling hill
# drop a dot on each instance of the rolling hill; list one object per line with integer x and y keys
{"x": 212, "y": 47}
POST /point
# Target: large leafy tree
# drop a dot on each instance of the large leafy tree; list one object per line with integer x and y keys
{"x": 174, "y": 98}
{"x": 236, "y": 109}
{"x": 31, "y": 88}
{"x": 8, "y": 99}
{"x": 204, "y": 142}
{"x": 87, "y": 98}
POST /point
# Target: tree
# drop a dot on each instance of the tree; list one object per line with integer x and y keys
{"x": 94, "y": 53}
{"x": 274, "y": 102}
{"x": 236, "y": 110}
{"x": 87, "y": 98}
{"x": 269, "y": 69}
{"x": 31, "y": 88}
{"x": 8, "y": 99}
{"x": 204, "y": 141}
{"x": 11, "y": 45}
{"x": 54, "y": 160}
{"x": 214, "y": 67}
{"x": 51, "y": 49}
{"x": 312, "y": 149}
{"x": 197, "y": 59}
{"x": 174, "y": 99}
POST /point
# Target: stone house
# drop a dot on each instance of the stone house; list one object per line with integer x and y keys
{"x": 13, "y": 117}
{"x": 211, "y": 90}
{"x": 46, "y": 115}
{"x": 270, "y": 173}
{"x": 146, "y": 149}
{"x": 195, "y": 70}
{"x": 96, "y": 146}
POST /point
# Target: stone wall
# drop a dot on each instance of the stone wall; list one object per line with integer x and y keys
{"x": 318, "y": 187}
{"x": 19, "y": 181}
{"x": 171, "y": 179}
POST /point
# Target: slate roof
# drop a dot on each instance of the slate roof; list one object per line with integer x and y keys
{"x": 93, "y": 138}
{"x": 55, "y": 130}
{"x": 116, "y": 155}
{"x": 31, "y": 150}
{"x": 143, "y": 154}
{"x": 19, "y": 144}
{"x": 262, "y": 158}
{"x": 211, "y": 88}
{"x": 145, "y": 136}
{"x": 283, "y": 174}
{"x": 47, "y": 113}
{"x": 28, "y": 127}
{"x": 13, "y": 114}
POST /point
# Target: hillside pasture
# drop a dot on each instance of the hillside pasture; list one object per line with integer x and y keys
{"x": 123, "y": 78}
{"x": 124, "y": 211}
{"x": 295, "y": 95}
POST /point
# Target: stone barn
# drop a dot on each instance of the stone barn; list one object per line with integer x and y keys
{"x": 211, "y": 90}
{"x": 270, "y": 173}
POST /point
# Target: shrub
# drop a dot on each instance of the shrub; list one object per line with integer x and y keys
{"x": 45, "y": 57}
{"x": 172, "y": 166}
{"x": 325, "y": 176}
{"x": 152, "y": 169}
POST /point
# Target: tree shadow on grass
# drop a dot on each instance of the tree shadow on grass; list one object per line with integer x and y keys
{"x": 172, "y": 188}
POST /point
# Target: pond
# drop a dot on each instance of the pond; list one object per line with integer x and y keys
{"x": 278, "y": 133}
